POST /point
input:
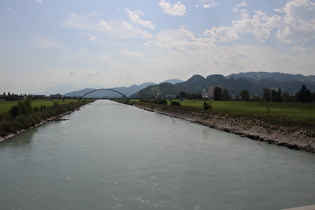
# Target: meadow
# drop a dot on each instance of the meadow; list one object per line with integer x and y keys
{"x": 288, "y": 110}
{"x": 283, "y": 113}
{"x": 5, "y": 106}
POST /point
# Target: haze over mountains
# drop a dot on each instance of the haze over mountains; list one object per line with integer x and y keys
{"x": 254, "y": 82}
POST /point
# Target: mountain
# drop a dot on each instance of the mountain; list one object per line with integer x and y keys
{"x": 254, "y": 82}
{"x": 128, "y": 91}
{"x": 283, "y": 77}
{"x": 290, "y": 83}
{"x": 124, "y": 90}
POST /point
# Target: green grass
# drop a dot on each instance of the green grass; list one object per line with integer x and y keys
{"x": 285, "y": 111}
{"x": 304, "y": 111}
{"x": 6, "y": 105}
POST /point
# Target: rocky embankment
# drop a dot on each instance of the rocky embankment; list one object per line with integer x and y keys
{"x": 289, "y": 136}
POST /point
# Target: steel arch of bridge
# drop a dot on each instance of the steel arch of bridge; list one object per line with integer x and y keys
{"x": 92, "y": 91}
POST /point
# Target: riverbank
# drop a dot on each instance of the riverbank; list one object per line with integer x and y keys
{"x": 14, "y": 123}
{"x": 4, "y": 138}
{"x": 293, "y": 137}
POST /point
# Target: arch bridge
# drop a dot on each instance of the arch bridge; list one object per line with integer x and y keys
{"x": 101, "y": 89}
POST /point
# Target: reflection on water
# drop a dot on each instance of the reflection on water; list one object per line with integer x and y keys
{"x": 113, "y": 156}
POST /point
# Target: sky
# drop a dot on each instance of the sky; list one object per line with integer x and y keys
{"x": 58, "y": 46}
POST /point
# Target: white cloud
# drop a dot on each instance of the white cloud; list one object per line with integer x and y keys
{"x": 105, "y": 25}
{"x": 88, "y": 22}
{"x": 181, "y": 41}
{"x": 132, "y": 54}
{"x": 180, "y": 51}
{"x": 295, "y": 25}
{"x": 298, "y": 24}
{"x": 209, "y": 3}
{"x": 240, "y": 7}
{"x": 260, "y": 25}
{"x": 128, "y": 31}
{"x": 39, "y": 1}
{"x": 106, "y": 58}
{"x": 222, "y": 34}
{"x": 177, "y": 9}
{"x": 92, "y": 38}
{"x": 135, "y": 18}
{"x": 116, "y": 29}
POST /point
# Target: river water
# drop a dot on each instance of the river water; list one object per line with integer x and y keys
{"x": 114, "y": 156}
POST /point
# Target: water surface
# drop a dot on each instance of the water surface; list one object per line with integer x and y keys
{"x": 114, "y": 156}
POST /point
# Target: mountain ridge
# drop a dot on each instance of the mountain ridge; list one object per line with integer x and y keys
{"x": 128, "y": 91}
{"x": 254, "y": 82}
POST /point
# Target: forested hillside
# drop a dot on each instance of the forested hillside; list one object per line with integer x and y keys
{"x": 253, "y": 82}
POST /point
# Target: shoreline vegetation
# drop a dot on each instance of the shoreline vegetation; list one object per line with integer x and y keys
{"x": 294, "y": 133}
{"x": 23, "y": 116}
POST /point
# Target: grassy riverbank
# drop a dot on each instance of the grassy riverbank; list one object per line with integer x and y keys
{"x": 19, "y": 115}
{"x": 299, "y": 114}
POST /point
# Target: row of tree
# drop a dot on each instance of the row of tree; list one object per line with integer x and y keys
{"x": 269, "y": 95}
{"x": 18, "y": 97}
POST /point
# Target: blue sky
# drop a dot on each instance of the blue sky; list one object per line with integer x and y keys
{"x": 61, "y": 46}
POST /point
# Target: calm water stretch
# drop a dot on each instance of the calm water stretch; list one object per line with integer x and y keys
{"x": 114, "y": 156}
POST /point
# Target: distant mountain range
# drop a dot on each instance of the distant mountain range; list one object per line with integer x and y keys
{"x": 128, "y": 91}
{"x": 254, "y": 82}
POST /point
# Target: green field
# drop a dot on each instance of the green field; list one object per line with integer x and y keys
{"x": 6, "y": 105}
{"x": 293, "y": 113}
{"x": 288, "y": 110}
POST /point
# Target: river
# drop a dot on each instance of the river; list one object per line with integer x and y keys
{"x": 113, "y": 156}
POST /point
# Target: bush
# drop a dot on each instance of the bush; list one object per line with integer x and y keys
{"x": 207, "y": 106}
{"x": 160, "y": 101}
{"x": 5, "y": 127}
{"x": 175, "y": 103}
{"x": 146, "y": 100}
{"x": 14, "y": 111}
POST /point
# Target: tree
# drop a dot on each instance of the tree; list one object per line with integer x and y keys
{"x": 217, "y": 94}
{"x": 279, "y": 95}
{"x": 244, "y": 95}
{"x": 14, "y": 111}
{"x": 266, "y": 94}
{"x": 25, "y": 107}
{"x": 276, "y": 95}
{"x": 304, "y": 95}
{"x": 287, "y": 97}
{"x": 182, "y": 94}
{"x": 225, "y": 95}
